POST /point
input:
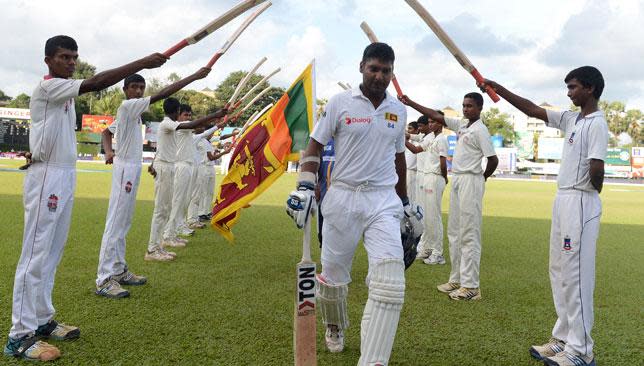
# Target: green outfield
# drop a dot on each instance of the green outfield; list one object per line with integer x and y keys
{"x": 222, "y": 304}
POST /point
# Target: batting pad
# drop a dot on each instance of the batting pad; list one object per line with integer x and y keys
{"x": 333, "y": 303}
{"x": 382, "y": 312}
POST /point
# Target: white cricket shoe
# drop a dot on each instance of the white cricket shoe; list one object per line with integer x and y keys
{"x": 549, "y": 349}
{"x": 173, "y": 243}
{"x": 158, "y": 256}
{"x": 448, "y": 287}
{"x": 422, "y": 255}
{"x": 334, "y": 338}
{"x": 465, "y": 294}
{"x": 568, "y": 359}
{"x": 184, "y": 231}
{"x": 434, "y": 259}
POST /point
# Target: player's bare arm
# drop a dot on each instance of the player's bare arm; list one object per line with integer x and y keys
{"x": 219, "y": 154}
{"x": 203, "y": 120}
{"x": 492, "y": 163}
{"x": 596, "y": 173}
{"x": 401, "y": 171}
{"x": 175, "y": 87}
{"x": 106, "y": 140}
{"x": 108, "y": 78}
{"x": 432, "y": 114}
{"x": 522, "y": 104}
{"x": 444, "y": 168}
{"x": 413, "y": 148}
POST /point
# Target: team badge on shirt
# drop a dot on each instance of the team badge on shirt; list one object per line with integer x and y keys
{"x": 128, "y": 187}
{"x": 52, "y": 203}
{"x": 571, "y": 140}
{"x": 566, "y": 244}
{"x": 391, "y": 119}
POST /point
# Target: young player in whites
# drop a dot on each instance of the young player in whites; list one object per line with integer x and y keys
{"x": 412, "y": 166}
{"x": 49, "y": 196}
{"x": 112, "y": 269}
{"x": 163, "y": 172}
{"x": 367, "y": 199}
{"x": 466, "y": 198}
{"x": 432, "y": 179}
{"x": 575, "y": 215}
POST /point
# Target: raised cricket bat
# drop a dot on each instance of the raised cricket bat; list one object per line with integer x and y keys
{"x": 245, "y": 81}
{"x": 213, "y": 26}
{"x": 235, "y": 35}
{"x": 372, "y": 37}
{"x": 304, "y": 323}
{"x": 451, "y": 46}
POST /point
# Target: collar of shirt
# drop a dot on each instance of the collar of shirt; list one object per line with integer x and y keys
{"x": 356, "y": 92}
{"x": 597, "y": 113}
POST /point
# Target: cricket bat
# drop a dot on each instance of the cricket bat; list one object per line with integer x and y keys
{"x": 304, "y": 323}
{"x": 451, "y": 46}
{"x": 213, "y": 26}
{"x": 372, "y": 37}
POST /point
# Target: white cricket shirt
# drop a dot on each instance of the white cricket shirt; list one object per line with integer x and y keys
{"x": 411, "y": 159}
{"x": 52, "y": 135}
{"x": 185, "y": 145}
{"x": 434, "y": 146}
{"x": 586, "y": 138}
{"x": 166, "y": 144}
{"x": 127, "y": 129}
{"x": 472, "y": 144}
{"x": 206, "y": 146}
{"x": 366, "y": 139}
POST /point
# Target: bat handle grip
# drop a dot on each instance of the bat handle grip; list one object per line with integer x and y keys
{"x": 488, "y": 89}
{"x": 397, "y": 86}
{"x": 213, "y": 60}
{"x": 174, "y": 49}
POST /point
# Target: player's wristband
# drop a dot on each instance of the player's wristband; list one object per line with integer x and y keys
{"x": 306, "y": 179}
{"x": 405, "y": 201}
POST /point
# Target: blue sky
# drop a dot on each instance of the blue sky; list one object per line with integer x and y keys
{"x": 528, "y": 46}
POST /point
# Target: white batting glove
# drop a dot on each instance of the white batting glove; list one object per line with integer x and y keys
{"x": 415, "y": 215}
{"x": 301, "y": 204}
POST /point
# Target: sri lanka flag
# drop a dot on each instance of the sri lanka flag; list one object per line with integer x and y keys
{"x": 264, "y": 149}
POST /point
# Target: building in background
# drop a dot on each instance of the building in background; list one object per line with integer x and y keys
{"x": 14, "y": 129}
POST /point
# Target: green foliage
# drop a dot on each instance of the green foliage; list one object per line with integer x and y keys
{"x": 499, "y": 123}
{"x": 20, "y": 101}
{"x": 83, "y": 103}
{"x": 201, "y": 103}
{"x": 109, "y": 102}
{"x": 4, "y": 97}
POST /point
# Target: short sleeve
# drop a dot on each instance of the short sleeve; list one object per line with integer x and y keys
{"x": 559, "y": 119}
{"x": 598, "y": 139}
{"x": 485, "y": 142}
{"x": 324, "y": 130}
{"x": 136, "y": 107}
{"x": 453, "y": 124}
{"x": 61, "y": 90}
{"x": 442, "y": 146}
{"x": 113, "y": 126}
{"x": 168, "y": 126}
{"x": 400, "y": 140}
{"x": 425, "y": 143}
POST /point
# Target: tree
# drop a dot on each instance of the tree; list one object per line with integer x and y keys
{"x": 83, "y": 103}
{"x": 21, "y": 101}
{"x": 4, "y": 97}
{"x": 109, "y": 103}
{"x": 201, "y": 103}
{"x": 499, "y": 124}
{"x": 174, "y": 77}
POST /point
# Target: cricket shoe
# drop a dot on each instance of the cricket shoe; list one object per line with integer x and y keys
{"x": 568, "y": 359}
{"x": 172, "y": 254}
{"x": 448, "y": 287}
{"x": 549, "y": 349}
{"x": 57, "y": 331}
{"x": 434, "y": 259}
{"x": 423, "y": 255}
{"x": 184, "y": 231}
{"x": 112, "y": 290}
{"x": 158, "y": 255}
{"x": 128, "y": 278}
{"x": 30, "y": 348}
{"x": 466, "y": 294}
{"x": 334, "y": 338}
{"x": 204, "y": 218}
{"x": 173, "y": 243}
{"x": 196, "y": 225}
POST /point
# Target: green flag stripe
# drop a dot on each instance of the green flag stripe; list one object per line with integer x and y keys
{"x": 297, "y": 118}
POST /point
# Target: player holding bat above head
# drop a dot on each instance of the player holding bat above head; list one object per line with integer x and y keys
{"x": 466, "y": 198}
{"x": 367, "y": 199}
{"x": 49, "y": 196}
{"x": 575, "y": 215}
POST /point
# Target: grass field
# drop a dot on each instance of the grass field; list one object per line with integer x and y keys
{"x": 222, "y": 304}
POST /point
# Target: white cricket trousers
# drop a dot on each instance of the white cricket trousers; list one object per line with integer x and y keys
{"x": 196, "y": 190}
{"x": 163, "y": 184}
{"x": 180, "y": 198}
{"x": 430, "y": 196}
{"x": 126, "y": 176}
{"x": 573, "y": 238}
{"x": 464, "y": 228}
{"x": 225, "y": 161}
{"x": 351, "y": 214}
{"x": 209, "y": 176}
{"x": 412, "y": 185}
{"x": 48, "y": 199}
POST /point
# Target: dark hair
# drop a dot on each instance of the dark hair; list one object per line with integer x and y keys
{"x": 185, "y": 108}
{"x": 54, "y": 43}
{"x": 171, "y": 105}
{"x": 380, "y": 51}
{"x": 134, "y": 78}
{"x": 413, "y": 125}
{"x": 440, "y": 112}
{"x": 477, "y": 97}
{"x": 423, "y": 120}
{"x": 588, "y": 76}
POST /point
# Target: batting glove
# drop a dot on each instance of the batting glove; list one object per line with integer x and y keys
{"x": 301, "y": 204}
{"x": 415, "y": 215}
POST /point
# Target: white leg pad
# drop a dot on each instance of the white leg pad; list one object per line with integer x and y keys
{"x": 382, "y": 312}
{"x": 332, "y": 300}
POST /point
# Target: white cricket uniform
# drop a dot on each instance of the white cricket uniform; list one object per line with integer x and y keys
{"x": 411, "y": 161}
{"x": 199, "y": 175}
{"x": 362, "y": 203}
{"x": 208, "y": 175}
{"x": 432, "y": 185}
{"x": 164, "y": 181}
{"x": 575, "y": 226}
{"x": 48, "y": 199}
{"x": 466, "y": 200}
{"x": 126, "y": 175}
{"x": 183, "y": 167}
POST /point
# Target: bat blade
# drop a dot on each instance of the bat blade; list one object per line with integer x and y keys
{"x": 304, "y": 327}
{"x": 450, "y": 45}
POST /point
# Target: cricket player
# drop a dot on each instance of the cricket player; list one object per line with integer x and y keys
{"x": 327, "y": 162}
{"x": 412, "y": 165}
{"x": 366, "y": 200}
{"x": 112, "y": 270}
{"x": 466, "y": 198}
{"x": 432, "y": 179}
{"x": 164, "y": 175}
{"x": 575, "y": 215}
{"x": 49, "y": 196}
